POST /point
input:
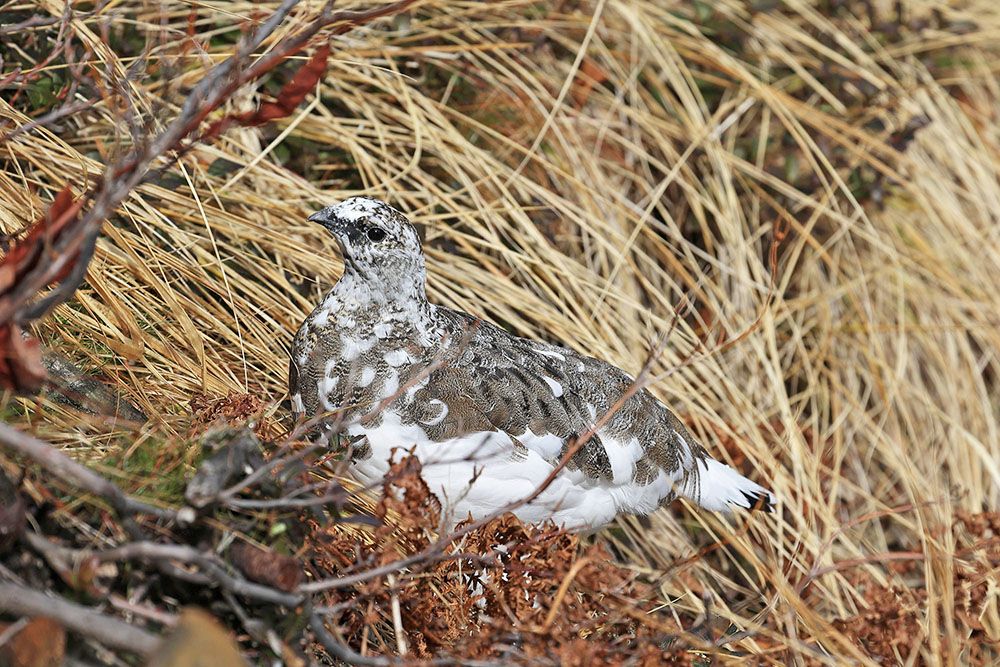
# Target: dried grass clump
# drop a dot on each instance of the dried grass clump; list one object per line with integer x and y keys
{"x": 581, "y": 170}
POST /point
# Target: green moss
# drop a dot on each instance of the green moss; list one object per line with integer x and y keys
{"x": 157, "y": 469}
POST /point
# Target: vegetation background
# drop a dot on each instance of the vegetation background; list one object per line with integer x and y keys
{"x": 804, "y": 195}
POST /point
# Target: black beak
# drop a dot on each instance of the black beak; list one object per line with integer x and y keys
{"x": 317, "y": 217}
{"x": 340, "y": 228}
{"x": 326, "y": 218}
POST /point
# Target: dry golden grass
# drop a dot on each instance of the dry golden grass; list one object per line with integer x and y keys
{"x": 580, "y": 171}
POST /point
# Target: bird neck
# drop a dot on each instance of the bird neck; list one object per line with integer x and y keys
{"x": 380, "y": 298}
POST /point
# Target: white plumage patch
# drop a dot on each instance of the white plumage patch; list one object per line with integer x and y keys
{"x": 321, "y": 317}
{"x": 325, "y": 390}
{"x": 397, "y": 358}
{"x": 550, "y": 353}
{"x": 547, "y": 445}
{"x": 557, "y": 389}
{"x": 367, "y": 375}
{"x": 622, "y": 456}
{"x": 353, "y": 209}
{"x": 390, "y": 385}
{"x": 354, "y": 347}
{"x": 719, "y": 486}
{"x": 449, "y": 468}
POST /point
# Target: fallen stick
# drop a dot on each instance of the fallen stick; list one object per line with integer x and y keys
{"x": 84, "y": 621}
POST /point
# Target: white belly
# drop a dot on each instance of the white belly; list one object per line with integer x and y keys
{"x": 450, "y": 469}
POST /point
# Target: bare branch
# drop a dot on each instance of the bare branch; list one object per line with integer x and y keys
{"x": 150, "y": 551}
{"x": 70, "y": 472}
{"x": 82, "y": 620}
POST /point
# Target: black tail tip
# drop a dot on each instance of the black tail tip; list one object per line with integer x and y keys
{"x": 759, "y": 501}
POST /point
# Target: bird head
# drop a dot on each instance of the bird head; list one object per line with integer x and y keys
{"x": 378, "y": 243}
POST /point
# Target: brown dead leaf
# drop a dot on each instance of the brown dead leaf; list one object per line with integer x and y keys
{"x": 590, "y": 75}
{"x": 40, "y": 643}
{"x": 197, "y": 641}
{"x": 290, "y": 96}
{"x": 21, "y": 366}
{"x": 28, "y": 252}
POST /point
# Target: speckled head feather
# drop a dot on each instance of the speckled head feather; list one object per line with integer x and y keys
{"x": 377, "y": 242}
{"x": 490, "y": 415}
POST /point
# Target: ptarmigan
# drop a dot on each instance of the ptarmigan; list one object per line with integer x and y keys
{"x": 488, "y": 414}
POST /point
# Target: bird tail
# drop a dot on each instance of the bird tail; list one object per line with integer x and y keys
{"x": 716, "y": 487}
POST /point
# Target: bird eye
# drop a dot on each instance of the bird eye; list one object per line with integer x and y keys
{"x": 376, "y": 234}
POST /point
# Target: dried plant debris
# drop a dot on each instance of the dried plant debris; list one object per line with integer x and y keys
{"x": 267, "y": 567}
{"x": 38, "y": 642}
{"x": 890, "y": 627}
{"x": 233, "y": 408}
{"x": 503, "y": 590}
